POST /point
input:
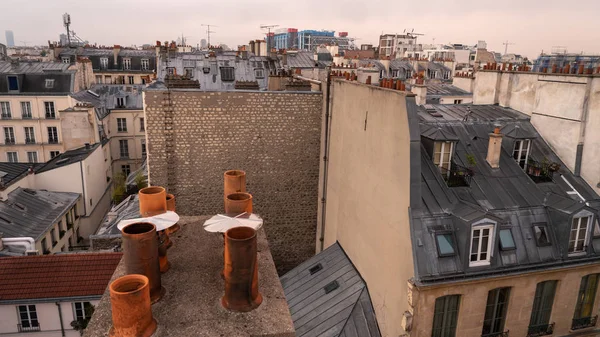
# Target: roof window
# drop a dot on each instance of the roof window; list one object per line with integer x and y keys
{"x": 445, "y": 244}
{"x": 507, "y": 241}
{"x": 541, "y": 235}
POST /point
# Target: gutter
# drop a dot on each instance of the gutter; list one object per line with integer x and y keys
{"x": 325, "y": 161}
{"x": 311, "y": 80}
{"x": 53, "y": 299}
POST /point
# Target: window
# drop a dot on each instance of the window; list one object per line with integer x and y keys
{"x": 120, "y": 103}
{"x": 124, "y": 148}
{"x": 445, "y": 316}
{"x": 481, "y": 245}
{"x": 442, "y": 156}
{"x": 52, "y": 135}
{"x": 458, "y": 101}
{"x": 521, "y": 152}
{"x": 579, "y": 233}
{"x": 9, "y": 135}
{"x": 142, "y": 126}
{"x": 259, "y": 73}
{"x": 12, "y": 157}
{"x": 53, "y": 236}
{"x": 130, "y": 79}
{"x": 28, "y": 320}
{"x": 445, "y": 244}
{"x": 446, "y": 75}
{"x": 542, "y": 308}
{"x": 121, "y": 124}
{"x": 66, "y": 60}
{"x": 126, "y": 63}
{"x": 189, "y": 63}
{"x": 29, "y": 135}
{"x": 495, "y": 311}
{"x": 126, "y": 169}
{"x": 143, "y": 148}
{"x": 145, "y": 64}
{"x": 107, "y": 80}
{"x": 50, "y": 112}
{"x": 54, "y": 154}
{"x": 32, "y": 157}
{"x": 585, "y": 302}
{"x": 103, "y": 62}
{"x": 596, "y": 228}
{"x": 49, "y": 84}
{"x": 82, "y": 310}
{"x": 5, "y": 109}
{"x": 99, "y": 79}
{"x": 170, "y": 71}
{"x": 541, "y": 235}
{"x": 189, "y": 72}
{"x": 506, "y": 240}
{"x": 44, "y": 246}
{"x": 143, "y": 80}
{"x": 26, "y": 110}
{"x": 206, "y": 70}
{"x": 227, "y": 74}
{"x": 13, "y": 83}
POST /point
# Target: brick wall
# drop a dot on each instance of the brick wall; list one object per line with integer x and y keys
{"x": 274, "y": 137}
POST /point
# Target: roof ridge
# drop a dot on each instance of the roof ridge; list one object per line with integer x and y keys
{"x": 353, "y": 307}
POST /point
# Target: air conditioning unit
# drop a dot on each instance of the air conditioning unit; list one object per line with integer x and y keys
{"x": 32, "y": 252}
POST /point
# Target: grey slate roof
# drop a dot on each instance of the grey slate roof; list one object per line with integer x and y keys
{"x": 30, "y": 213}
{"x": 67, "y": 158}
{"x": 445, "y": 90}
{"x": 32, "y": 76}
{"x": 397, "y": 64}
{"x": 32, "y": 67}
{"x": 104, "y": 97}
{"x": 12, "y": 172}
{"x": 127, "y": 209}
{"x": 506, "y": 195}
{"x": 346, "y": 311}
{"x": 301, "y": 59}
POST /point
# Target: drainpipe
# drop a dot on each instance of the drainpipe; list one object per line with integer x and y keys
{"x": 326, "y": 161}
{"x": 62, "y": 327}
{"x": 582, "y": 125}
{"x": 83, "y": 188}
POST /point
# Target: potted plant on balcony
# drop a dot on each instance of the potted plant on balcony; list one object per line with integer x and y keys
{"x": 554, "y": 167}
{"x": 471, "y": 162}
{"x": 530, "y": 166}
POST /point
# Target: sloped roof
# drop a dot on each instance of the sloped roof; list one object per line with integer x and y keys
{"x": 14, "y": 171}
{"x": 103, "y": 97}
{"x": 67, "y": 158}
{"x": 344, "y": 311}
{"x": 56, "y": 276}
{"x": 443, "y": 89}
{"x": 29, "y": 213}
{"x": 301, "y": 59}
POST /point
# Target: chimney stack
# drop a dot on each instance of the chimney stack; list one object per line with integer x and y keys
{"x": 494, "y": 148}
{"x": 116, "y": 51}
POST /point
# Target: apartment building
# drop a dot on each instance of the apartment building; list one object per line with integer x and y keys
{"x": 119, "y": 111}
{"x": 51, "y": 295}
{"x": 471, "y": 226}
{"x": 35, "y": 116}
{"x": 117, "y": 65}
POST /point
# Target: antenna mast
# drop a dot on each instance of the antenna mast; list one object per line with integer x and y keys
{"x": 67, "y": 24}
{"x": 208, "y": 31}
{"x": 268, "y": 28}
{"x": 506, "y": 44}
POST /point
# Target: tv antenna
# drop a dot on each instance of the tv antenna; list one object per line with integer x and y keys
{"x": 506, "y": 44}
{"x": 208, "y": 31}
{"x": 67, "y": 24}
{"x": 24, "y": 43}
{"x": 268, "y": 28}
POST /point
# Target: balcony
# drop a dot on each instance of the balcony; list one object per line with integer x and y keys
{"x": 457, "y": 176}
{"x": 29, "y": 141}
{"x": 540, "y": 172}
{"x": 496, "y": 334}
{"x": 540, "y": 330}
{"x": 6, "y": 116}
{"x": 50, "y": 116}
{"x": 52, "y": 141}
{"x": 26, "y": 116}
{"x": 29, "y": 327}
{"x": 583, "y": 322}
{"x": 9, "y": 141}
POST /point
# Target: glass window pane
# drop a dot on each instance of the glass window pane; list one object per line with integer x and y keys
{"x": 445, "y": 244}
{"x": 506, "y": 239}
{"x": 541, "y": 235}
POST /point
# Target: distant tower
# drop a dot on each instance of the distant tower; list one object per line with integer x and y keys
{"x": 10, "y": 38}
{"x": 203, "y": 44}
{"x": 63, "y": 39}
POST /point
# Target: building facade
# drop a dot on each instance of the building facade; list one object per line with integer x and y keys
{"x": 10, "y": 38}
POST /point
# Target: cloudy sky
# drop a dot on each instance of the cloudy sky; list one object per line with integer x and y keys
{"x": 532, "y": 25}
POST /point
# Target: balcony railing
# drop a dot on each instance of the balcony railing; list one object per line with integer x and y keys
{"x": 583, "y": 322}
{"x": 457, "y": 176}
{"x": 9, "y": 141}
{"x": 6, "y": 116}
{"x": 50, "y": 116}
{"x": 29, "y": 328}
{"x": 26, "y": 116}
{"x": 52, "y": 141}
{"x": 29, "y": 141}
{"x": 496, "y": 334}
{"x": 540, "y": 330}
{"x": 540, "y": 172}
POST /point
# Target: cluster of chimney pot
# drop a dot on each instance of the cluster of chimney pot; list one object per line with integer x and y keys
{"x": 145, "y": 258}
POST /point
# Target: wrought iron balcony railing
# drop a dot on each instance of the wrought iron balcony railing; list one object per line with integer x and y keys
{"x": 31, "y": 327}
{"x": 540, "y": 330}
{"x": 583, "y": 322}
{"x": 496, "y": 334}
{"x": 457, "y": 175}
{"x": 540, "y": 172}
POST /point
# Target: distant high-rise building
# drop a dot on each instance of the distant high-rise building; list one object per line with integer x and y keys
{"x": 203, "y": 44}
{"x": 63, "y": 39}
{"x": 10, "y": 38}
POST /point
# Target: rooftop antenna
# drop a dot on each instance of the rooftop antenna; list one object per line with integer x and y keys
{"x": 67, "y": 24}
{"x": 208, "y": 31}
{"x": 268, "y": 28}
{"x": 506, "y": 44}
{"x": 24, "y": 43}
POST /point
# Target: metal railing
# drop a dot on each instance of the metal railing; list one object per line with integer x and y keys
{"x": 457, "y": 176}
{"x": 540, "y": 330}
{"x": 583, "y": 322}
{"x": 52, "y": 141}
{"x": 6, "y": 116}
{"x": 540, "y": 172}
{"x": 9, "y": 141}
{"x": 50, "y": 116}
{"x": 29, "y": 141}
{"x": 496, "y": 334}
{"x": 30, "y": 328}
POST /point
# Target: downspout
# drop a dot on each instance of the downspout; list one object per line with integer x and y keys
{"x": 83, "y": 188}
{"x": 62, "y": 327}
{"x": 326, "y": 161}
{"x": 582, "y": 125}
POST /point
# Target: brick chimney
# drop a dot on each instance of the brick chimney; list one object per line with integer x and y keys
{"x": 494, "y": 148}
{"x": 116, "y": 51}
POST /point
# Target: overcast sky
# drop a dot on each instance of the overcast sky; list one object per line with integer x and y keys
{"x": 532, "y": 25}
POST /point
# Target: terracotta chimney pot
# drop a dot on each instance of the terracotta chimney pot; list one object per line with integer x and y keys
{"x": 239, "y": 202}
{"x": 131, "y": 307}
{"x": 153, "y": 201}
{"x": 233, "y": 181}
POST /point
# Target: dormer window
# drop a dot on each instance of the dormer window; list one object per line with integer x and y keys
{"x": 103, "y": 62}
{"x": 13, "y": 83}
{"x": 481, "y": 244}
{"x": 66, "y": 60}
{"x": 49, "y": 83}
{"x": 121, "y": 102}
{"x": 126, "y": 63}
{"x": 521, "y": 152}
{"x": 578, "y": 240}
{"x": 442, "y": 156}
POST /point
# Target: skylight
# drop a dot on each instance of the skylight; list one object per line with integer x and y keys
{"x": 506, "y": 240}
{"x": 445, "y": 244}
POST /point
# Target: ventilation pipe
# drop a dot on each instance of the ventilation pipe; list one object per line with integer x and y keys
{"x": 131, "y": 307}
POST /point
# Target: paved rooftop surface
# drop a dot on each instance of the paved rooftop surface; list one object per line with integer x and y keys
{"x": 192, "y": 303}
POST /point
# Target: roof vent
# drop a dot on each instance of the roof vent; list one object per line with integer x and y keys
{"x": 2, "y": 218}
{"x": 331, "y": 286}
{"x": 430, "y": 109}
{"x": 315, "y": 269}
{"x": 19, "y": 206}
{"x": 29, "y": 191}
{"x": 93, "y": 94}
